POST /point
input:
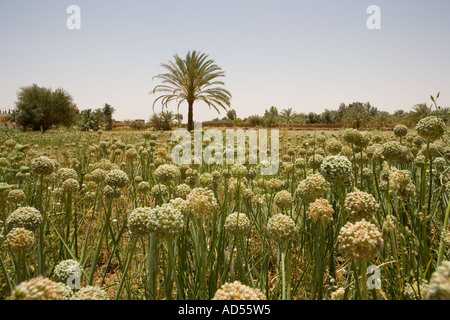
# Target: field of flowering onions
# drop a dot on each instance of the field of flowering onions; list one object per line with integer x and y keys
{"x": 350, "y": 215}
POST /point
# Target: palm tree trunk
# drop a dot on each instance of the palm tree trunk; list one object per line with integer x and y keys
{"x": 191, "y": 116}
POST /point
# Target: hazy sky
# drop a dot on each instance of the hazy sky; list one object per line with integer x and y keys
{"x": 308, "y": 55}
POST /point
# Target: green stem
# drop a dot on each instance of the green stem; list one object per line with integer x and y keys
{"x": 127, "y": 266}
{"x": 153, "y": 265}
{"x": 7, "y": 279}
{"x": 99, "y": 244}
{"x": 444, "y": 228}
{"x": 430, "y": 188}
{"x": 41, "y": 258}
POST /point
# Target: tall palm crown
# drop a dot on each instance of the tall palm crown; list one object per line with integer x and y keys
{"x": 193, "y": 79}
{"x": 419, "y": 112}
{"x": 288, "y": 115}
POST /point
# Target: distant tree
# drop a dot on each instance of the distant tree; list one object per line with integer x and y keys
{"x": 341, "y": 111}
{"x": 108, "y": 111}
{"x": 356, "y": 116}
{"x": 168, "y": 118}
{"x": 356, "y": 111}
{"x": 330, "y": 116}
{"x": 137, "y": 125}
{"x": 371, "y": 111}
{"x": 271, "y": 116}
{"x": 99, "y": 113}
{"x": 288, "y": 116}
{"x": 444, "y": 114}
{"x": 38, "y": 108}
{"x": 399, "y": 115}
{"x": 382, "y": 119}
{"x": 255, "y": 120}
{"x": 231, "y": 114}
{"x": 419, "y": 112}
{"x": 302, "y": 117}
{"x": 195, "y": 78}
{"x": 179, "y": 118}
{"x": 273, "y": 111}
{"x": 11, "y": 116}
{"x": 270, "y": 120}
{"x": 89, "y": 120}
{"x": 313, "y": 118}
{"x": 156, "y": 121}
{"x": 30, "y": 106}
{"x": 63, "y": 111}
{"x": 163, "y": 121}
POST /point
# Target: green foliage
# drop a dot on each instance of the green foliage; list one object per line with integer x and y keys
{"x": 192, "y": 79}
{"x": 231, "y": 114}
{"x": 330, "y": 116}
{"x": 357, "y": 114}
{"x": 419, "y": 112}
{"x": 89, "y": 120}
{"x": 138, "y": 125}
{"x": 288, "y": 116}
{"x": 179, "y": 117}
{"x": 382, "y": 119}
{"x": 296, "y": 235}
{"x": 39, "y": 108}
{"x": 108, "y": 111}
{"x": 271, "y": 116}
{"x": 163, "y": 121}
{"x": 270, "y": 120}
{"x": 273, "y": 111}
{"x": 400, "y": 114}
{"x": 422, "y": 110}
{"x": 313, "y": 118}
{"x": 255, "y": 120}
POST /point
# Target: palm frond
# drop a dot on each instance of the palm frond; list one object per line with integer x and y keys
{"x": 195, "y": 78}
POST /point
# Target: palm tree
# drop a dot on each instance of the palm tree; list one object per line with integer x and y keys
{"x": 356, "y": 116}
{"x": 167, "y": 118}
{"x": 192, "y": 79}
{"x": 89, "y": 120}
{"x": 288, "y": 115}
{"x": 399, "y": 114}
{"x": 444, "y": 113}
{"x": 419, "y": 112}
{"x": 382, "y": 119}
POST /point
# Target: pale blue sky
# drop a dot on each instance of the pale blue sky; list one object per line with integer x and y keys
{"x": 308, "y": 55}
